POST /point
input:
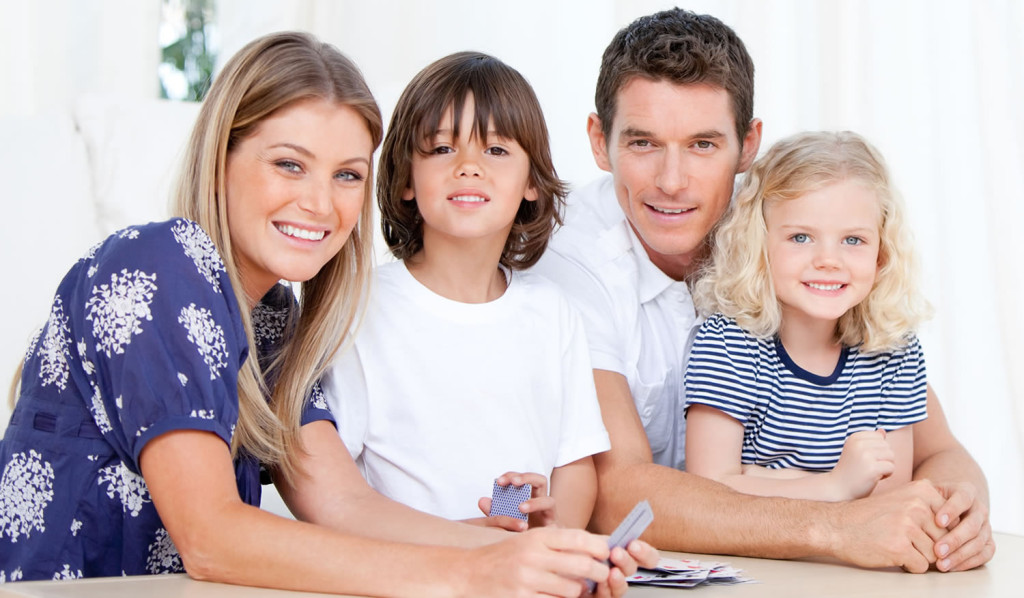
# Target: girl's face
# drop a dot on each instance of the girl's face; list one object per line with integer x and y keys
{"x": 295, "y": 188}
{"x": 823, "y": 250}
{"x": 468, "y": 188}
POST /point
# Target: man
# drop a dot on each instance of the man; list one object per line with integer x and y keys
{"x": 674, "y": 125}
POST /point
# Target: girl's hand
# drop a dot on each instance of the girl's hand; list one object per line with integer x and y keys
{"x": 546, "y": 561}
{"x": 540, "y": 507}
{"x": 866, "y": 459}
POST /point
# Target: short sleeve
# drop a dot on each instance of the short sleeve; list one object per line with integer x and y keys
{"x": 161, "y": 340}
{"x": 583, "y": 431}
{"x": 344, "y": 388}
{"x": 316, "y": 408}
{"x": 904, "y": 388}
{"x": 592, "y": 299}
{"x": 722, "y": 369}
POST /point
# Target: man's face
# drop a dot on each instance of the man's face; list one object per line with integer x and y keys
{"x": 674, "y": 155}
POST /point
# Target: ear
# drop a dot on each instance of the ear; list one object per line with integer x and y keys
{"x": 531, "y": 194}
{"x": 598, "y": 143}
{"x": 409, "y": 194}
{"x": 751, "y": 143}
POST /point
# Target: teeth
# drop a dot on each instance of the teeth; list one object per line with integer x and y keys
{"x": 300, "y": 233}
{"x": 825, "y": 287}
{"x": 469, "y": 198}
{"x": 666, "y": 211}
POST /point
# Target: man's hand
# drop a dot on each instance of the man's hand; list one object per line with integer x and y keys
{"x": 893, "y": 529}
{"x": 969, "y": 543}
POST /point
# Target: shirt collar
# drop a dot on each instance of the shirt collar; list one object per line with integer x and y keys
{"x": 652, "y": 281}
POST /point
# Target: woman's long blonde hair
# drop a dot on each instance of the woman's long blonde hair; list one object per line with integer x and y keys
{"x": 265, "y": 76}
{"x": 737, "y": 280}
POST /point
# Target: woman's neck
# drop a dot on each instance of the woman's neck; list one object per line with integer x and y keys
{"x": 459, "y": 269}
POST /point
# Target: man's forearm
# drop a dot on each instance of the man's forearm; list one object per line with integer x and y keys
{"x": 694, "y": 514}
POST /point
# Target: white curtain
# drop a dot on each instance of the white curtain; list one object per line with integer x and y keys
{"x": 937, "y": 85}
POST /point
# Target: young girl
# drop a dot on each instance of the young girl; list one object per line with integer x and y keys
{"x": 140, "y": 429}
{"x": 805, "y": 382}
{"x": 465, "y": 366}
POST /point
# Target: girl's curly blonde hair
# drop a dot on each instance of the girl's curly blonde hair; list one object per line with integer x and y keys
{"x": 737, "y": 279}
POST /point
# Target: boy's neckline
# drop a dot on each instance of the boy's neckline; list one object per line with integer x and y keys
{"x": 462, "y": 289}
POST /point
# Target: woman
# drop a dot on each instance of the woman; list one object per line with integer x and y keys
{"x": 140, "y": 428}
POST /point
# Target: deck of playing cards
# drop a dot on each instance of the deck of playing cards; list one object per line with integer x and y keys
{"x": 687, "y": 573}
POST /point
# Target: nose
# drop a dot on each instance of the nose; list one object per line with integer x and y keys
{"x": 827, "y": 257}
{"x": 316, "y": 198}
{"x": 672, "y": 176}
{"x": 469, "y": 167}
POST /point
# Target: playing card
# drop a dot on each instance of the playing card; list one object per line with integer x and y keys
{"x": 632, "y": 526}
{"x": 505, "y": 500}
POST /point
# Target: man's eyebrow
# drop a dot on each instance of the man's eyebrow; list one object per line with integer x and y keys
{"x": 634, "y": 132}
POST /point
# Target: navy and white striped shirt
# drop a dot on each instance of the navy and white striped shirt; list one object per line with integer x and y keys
{"x": 791, "y": 417}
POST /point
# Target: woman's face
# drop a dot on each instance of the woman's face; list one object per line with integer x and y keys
{"x": 295, "y": 188}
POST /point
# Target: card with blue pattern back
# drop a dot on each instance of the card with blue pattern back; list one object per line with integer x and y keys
{"x": 505, "y": 500}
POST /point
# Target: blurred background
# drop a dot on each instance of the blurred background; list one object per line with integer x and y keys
{"x": 937, "y": 85}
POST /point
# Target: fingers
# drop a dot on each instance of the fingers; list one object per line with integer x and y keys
{"x": 644, "y": 554}
{"x": 959, "y": 500}
{"x": 537, "y": 481}
{"x": 615, "y": 587}
{"x": 541, "y": 511}
{"x": 976, "y": 550}
{"x": 484, "y": 504}
{"x": 922, "y": 556}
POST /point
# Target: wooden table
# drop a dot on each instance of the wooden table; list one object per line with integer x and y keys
{"x": 775, "y": 579}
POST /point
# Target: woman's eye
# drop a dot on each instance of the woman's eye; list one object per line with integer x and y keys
{"x": 349, "y": 175}
{"x": 289, "y": 165}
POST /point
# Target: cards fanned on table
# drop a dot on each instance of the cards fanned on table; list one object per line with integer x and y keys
{"x": 687, "y": 573}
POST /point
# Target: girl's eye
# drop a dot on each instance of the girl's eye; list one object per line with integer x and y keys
{"x": 442, "y": 149}
{"x": 853, "y": 241}
{"x": 800, "y": 238}
{"x": 497, "y": 151}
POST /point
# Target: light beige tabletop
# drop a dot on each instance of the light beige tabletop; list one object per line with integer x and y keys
{"x": 1003, "y": 577}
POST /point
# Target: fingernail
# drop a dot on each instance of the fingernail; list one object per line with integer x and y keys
{"x": 944, "y": 520}
{"x": 944, "y": 564}
{"x": 943, "y": 549}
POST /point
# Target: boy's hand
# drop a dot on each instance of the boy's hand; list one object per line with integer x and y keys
{"x": 540, "y": 507}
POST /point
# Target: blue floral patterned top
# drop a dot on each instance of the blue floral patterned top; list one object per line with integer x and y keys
{"x": 144, "y": 337}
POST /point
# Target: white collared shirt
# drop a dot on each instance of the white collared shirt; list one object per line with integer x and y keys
{"x": 639, "y": 322}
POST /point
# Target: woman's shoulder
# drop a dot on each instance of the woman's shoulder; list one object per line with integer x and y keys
{"x": 177, "y": 247}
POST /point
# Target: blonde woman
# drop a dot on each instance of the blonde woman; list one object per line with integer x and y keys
{"x": 805, "y": 382}
{"x": 174, "y": 367}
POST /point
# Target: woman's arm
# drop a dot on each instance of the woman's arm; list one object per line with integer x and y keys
{"x": 331, "y": 492}
{"x": 191, "y": 481}
{"x": 574, "y": 488}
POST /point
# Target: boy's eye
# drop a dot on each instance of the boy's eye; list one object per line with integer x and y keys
{"x": 800, "y": 238}
{"x": 441, "y": 149}
{"x": 853, "y": 241}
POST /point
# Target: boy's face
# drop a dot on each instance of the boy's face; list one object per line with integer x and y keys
{"x": 466, "y": 187}
{"x": 674, "y": 155}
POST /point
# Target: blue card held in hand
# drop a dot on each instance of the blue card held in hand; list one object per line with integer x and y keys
{"x": 630, "y": 529}
{"x": 505, "y": 500}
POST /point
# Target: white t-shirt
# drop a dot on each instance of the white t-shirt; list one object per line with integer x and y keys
{"x": 640, "y": 323}
{"x": 439, "y": 397}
